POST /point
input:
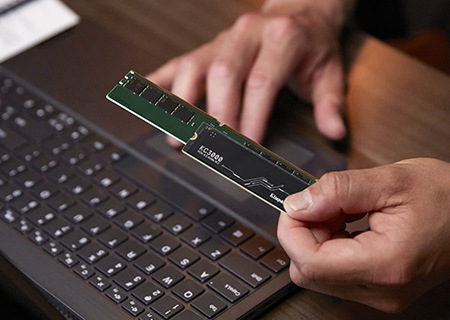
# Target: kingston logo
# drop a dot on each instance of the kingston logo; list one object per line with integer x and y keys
{"x": 277, "y": 199}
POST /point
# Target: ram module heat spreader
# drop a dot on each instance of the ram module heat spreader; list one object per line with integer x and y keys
{"x": 217, "y": 146}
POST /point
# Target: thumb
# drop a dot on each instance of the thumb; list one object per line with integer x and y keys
{"x": 346, "y": 192}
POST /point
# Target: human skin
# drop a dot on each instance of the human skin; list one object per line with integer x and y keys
{"x": 244, "y": 67}
{"x": 406, "y": 250}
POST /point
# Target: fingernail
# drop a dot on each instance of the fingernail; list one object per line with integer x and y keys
{"x": 336, "y": 128}
{"x": 299, "y": 201}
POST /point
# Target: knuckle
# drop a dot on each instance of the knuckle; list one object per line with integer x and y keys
{"x": 188, "y": 61}
{"x": 338, "y": 183}
{"x": 284, "y": 29}
{"x": 303, "y": 275}
{"x": 296, "y": 276}
{"x": 247, "y": 22}
{"x": 222, "y": 69}
{"x": 260, "y": 80}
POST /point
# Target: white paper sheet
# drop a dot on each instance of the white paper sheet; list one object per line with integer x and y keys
{"x": 31, "y": 23}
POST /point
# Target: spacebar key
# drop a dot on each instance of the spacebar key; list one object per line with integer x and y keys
{"x": 245, "y": 269}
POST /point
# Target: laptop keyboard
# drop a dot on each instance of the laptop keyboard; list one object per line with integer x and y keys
{"x": 60, "y": 188}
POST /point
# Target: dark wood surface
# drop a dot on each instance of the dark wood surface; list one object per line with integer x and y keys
{"x": 397, "y": 108}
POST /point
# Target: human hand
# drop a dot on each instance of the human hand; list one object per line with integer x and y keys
{"x": 245, "y": 66}
{"x": 405, "y": 252}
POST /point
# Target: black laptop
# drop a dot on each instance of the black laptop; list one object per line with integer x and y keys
{"x": 101, "y": 219}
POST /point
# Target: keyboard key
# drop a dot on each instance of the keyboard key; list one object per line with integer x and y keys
{"x": 111, "y": 208}
{"x": 30, "y": 152}
{"x": 94, "y": 197}
{"x": 237, "y": 234}
{"x": 276, "y": 260}
{"x": 133, "y": 307}
{"x": 33, "y": 128}
{"x": 217, "y": 222}
{"x": 184, "y": 257}
{"x": 95, "y": 144}
{"x": 58, "y": 227}
{"x": 123, "y": 189}
{"x": 196, "y": 208}
{"x": 24, "y": 204}
{"x": 9, "y": 216}
{"x": 229, "y": 287}
{"x": 128, "y": 220}
{"x": 245, "y": 269}
{"x": 168, "y": 276}
{"x": 128, "y": 279}
{"x": 188, "y": 315}
{"x": 196, "y": 236}
{"x": 53, "y": 248}
{"x": 110, "y": 266}
{"x": 130, "y": 250}
{"x": 77, "y": 213}
{"x": 38, "y": 237}
{"x": 116, "y": 294}
{"x": 61, "y": 201}
{"x": 149, "y": 315}
{"x": 84, "y": 271}
{"x": 141, "y": 200}
{"x": 10, "y": 192}
{"x": 148, "y": 293}
{"x": 23, "y": 226}
{"x": 188, "y": 290}
{"x": 10, "y": 139}
{"x": 61, "y": 174}
{"x": 112, "y": 154}
{"x": 74, "y": 156}
{"x": 99, "y": 282}
{"x": 149, "y": 263}
{"x": 257, "y": 247}
{"x": 29, "y": 178}
{"x": 209, "y": 305}
{"x": 146, "y": 232}
{"x": 45, "y": 190}
{"x": 68, "y": 259}
{"x": 75, "y": 240}
{"x": 112, "y": 237}
{"x": 95, "y": 225}
{"x": 90, "y": 167}
{"x": 203, "y": 270}
{"x": 176, "y": 224}
{"x": 78, "y": 185}
{"x": 167, "y": 307}
{"x": 92, "y": 253}
{"x": 215, "y": 249}
{"x": 107, "y": 178}
{"x": 164, "y": 244}
{"x": 158, "y": 211}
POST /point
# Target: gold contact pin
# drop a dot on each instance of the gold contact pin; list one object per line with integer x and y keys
{"x": 194, "y": 137}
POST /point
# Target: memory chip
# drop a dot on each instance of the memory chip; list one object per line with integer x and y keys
{"x": 250, "y": 170}
{"x": 135, "y": 85}
{"x": 151, "y": 95}
{"x": 207, "y": 140}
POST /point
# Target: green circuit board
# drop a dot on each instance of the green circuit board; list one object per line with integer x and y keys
{"x": 212, "y": 143}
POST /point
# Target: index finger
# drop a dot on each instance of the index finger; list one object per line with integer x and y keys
{"x": 336, "y": 261}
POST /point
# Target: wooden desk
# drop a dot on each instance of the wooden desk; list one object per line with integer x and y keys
{"x": 397, "y": 108}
